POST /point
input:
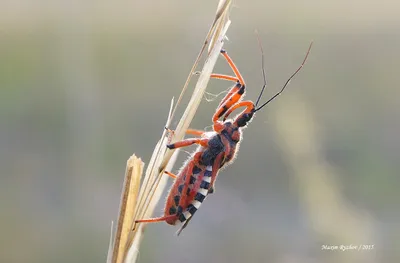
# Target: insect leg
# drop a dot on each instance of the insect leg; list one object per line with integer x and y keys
{"x": 188, "y": 142}
{"x": 233, "y": 96}
{"x": 239, "y": 79}
{"x": 194, "y": 132}
{"x": 188, "y": 131}
{"x": 232, "y": 90}
{"x": 248, "y": 104}
{"x": 233, "y": 67}
{"x": 225, "y": 77}
{"x": 155, "y": 220}
{"x": 178, "y": 215}
{"x": 170, "y": 174}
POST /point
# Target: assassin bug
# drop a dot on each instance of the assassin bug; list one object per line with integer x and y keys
{"x": 216, "y": 149}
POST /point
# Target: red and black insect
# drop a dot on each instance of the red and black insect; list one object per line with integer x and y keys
{"x": 216, "y": 150}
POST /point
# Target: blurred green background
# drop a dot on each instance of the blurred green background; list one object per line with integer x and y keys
{"x": 84, "y": 84}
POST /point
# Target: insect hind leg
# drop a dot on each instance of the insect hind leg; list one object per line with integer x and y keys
{"x": 156, "y": 219}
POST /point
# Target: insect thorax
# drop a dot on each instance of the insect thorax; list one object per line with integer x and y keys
{"x": 215, "y": 147}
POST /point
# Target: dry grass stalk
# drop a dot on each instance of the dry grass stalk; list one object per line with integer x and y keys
{"x": 126, "y": 244}
{"x": 219, "y": 29}
{"x": 220, "y": 19}
{"x": 134, "y": 170}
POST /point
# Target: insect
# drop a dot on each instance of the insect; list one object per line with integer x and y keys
{"x": 217, "y": 149}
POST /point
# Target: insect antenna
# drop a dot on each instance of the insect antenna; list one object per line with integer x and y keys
{"x": 262, "y": 67}
{"x": 286, "y": 83}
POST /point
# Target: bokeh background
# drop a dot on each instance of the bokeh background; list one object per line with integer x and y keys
{"x": 84, "y": 84}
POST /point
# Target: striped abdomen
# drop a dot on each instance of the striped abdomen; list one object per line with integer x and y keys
{"x": 197, "y": 190}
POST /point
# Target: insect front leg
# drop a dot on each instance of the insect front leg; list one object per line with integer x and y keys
{"x": 234, "y": 95}
{"x": 230, "y": 99}
{"x": 250, "y": 108}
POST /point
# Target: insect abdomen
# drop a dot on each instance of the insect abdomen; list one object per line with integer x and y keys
{"x": 200, "y": 192}
{"x": 200, "y": 182}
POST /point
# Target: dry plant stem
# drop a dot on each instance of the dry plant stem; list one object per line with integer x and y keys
{"x": 134, "y": 169}
{"x": 200, "y": 88}
{"x": 111, "y": 244}
{"x": 151, "y": 178}
{"x": 221, "y": 19}
{"x": 216, "y": 26}
{"x": 133, "y": 251}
